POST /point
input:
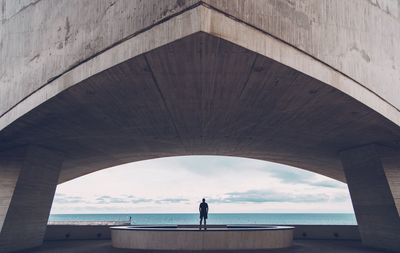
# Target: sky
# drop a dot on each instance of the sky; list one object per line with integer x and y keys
{"x": 177, "y": 185}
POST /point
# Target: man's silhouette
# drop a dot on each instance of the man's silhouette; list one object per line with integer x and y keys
{"x": 203, "y": 209}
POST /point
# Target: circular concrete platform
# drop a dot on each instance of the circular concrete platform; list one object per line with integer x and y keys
{"x": 189, "y": 237}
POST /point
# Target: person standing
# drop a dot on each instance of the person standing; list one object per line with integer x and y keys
{"x": 203, "y": 209}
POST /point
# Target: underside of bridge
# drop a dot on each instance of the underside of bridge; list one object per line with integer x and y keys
{"x": 197, "y": 92}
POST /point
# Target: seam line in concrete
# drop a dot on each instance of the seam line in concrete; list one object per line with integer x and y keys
{"x": 248, "y": 76}
{"x": 163, "y": 99}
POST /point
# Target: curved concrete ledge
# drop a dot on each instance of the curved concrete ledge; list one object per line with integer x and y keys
{"x": 223, "y": 237}
{"x": 95, "y": 231}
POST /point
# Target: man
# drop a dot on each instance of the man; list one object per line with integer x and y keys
{"x": 203, "y": 209}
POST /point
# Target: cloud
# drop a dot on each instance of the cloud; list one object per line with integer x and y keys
{"x": 266, "y": 196}
{"x": 121, "y": 200}
{"x": 290, "y": 175}
{"x": 328, "y": 184}
{"x": 110, "y": 200}
{"x": 213, "y": 165}
{"x": 171, "y": 200}
{"x": 177, "y": 184}
{"x": 210, "y": 165}
{"x": 298, "y": 176}
{"x": 341, "y": 197}
{"x": 104, "y": 199}
{"x": 65, "y": 199}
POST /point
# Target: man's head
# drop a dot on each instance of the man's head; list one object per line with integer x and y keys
{"x": 204, "y": 200}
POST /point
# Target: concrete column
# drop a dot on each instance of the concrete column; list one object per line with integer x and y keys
{"x": 8, "y": 178}
{"x": 393, "y": 176}
{"x": 373, "y": 202}
{"x": 27, "y": 189}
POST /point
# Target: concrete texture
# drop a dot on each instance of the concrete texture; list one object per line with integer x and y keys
{"x": 191, "y": 238}
{"x": 377, "y": 216}
{"x": 63, "y": 34}
{"x": 176, "y": 130}
{"x": 8, "y": 179}
{"x": 61, "y": 37}
{"x": 393, "y": 177}
{"x": 90, "y": 231}
{"x": 80, "y": 230}
{"x": 24, "y": 224}
{"x": 358, "y": 37}
{"x": 200, "y": 19}
{"x": 299, "y": 246}
{"x": 110, "y": 82}
{"x": 326, "y": 232}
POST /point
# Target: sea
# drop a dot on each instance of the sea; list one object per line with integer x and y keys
{"x": 216, "y": 218}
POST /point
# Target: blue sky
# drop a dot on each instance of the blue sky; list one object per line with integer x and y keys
{"x": 177, "y": 184}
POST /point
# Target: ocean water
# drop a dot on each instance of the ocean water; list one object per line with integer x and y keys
{"x": 218, "y": 218}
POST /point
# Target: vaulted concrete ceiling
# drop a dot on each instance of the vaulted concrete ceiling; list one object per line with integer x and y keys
{"x": 200, "y": 95}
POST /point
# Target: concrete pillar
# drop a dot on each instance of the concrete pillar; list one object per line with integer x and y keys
{"x": 373, "y": 201}
{"x": 8, "y": 178}
{"x": 393, "y": 176}
{"x": 27, "y": 189}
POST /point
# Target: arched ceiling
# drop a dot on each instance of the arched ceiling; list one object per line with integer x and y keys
{"x": 200, "y": 95}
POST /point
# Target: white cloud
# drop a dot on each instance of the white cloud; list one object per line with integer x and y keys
{"x": 177, "y": 184}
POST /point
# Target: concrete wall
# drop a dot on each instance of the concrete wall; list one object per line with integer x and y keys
{"x": 350, "y": 46}
{"x": 215, "y": 23}
{"x": 347, "y": 35}
{"x": 40, "y": 40}
{"x": 326, "y": 232}
{"x": 358, "y": 37}
{"x": 77, "y": 232}
{"x": 194, "y": 239}
{"x": 102, "y": 232}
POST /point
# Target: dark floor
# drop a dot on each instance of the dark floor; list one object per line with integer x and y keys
{"x": 300, "y": 246}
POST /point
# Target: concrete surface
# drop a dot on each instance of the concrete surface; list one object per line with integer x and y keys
{"x": 80, "y": 230}
{"x": 191, "y": 238}
{"x": 337, "y": 120}
{"x": 24, "y": 224}
{"x": 357, "y": 37}
{"x": 393, "y": 177}
{"x": 64, "y": 33}
{"x": 90, "y": 231}
{"x": 299, "y": 246}
{"x": 202, "y": 18}
{"x": 8, "y": 179}
{"x": 377, "y": 216}
{"x": 111, "y": 82}
{"x": 213, "y": 22}
{"x": 346, "y": 35}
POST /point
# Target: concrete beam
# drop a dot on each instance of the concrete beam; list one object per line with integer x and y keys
{"x": 373, "y": 201}
{"x": 27, "y": 190}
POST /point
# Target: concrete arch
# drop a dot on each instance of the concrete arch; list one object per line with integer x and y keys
{"x": 323, "y": 24}
{"x": 204, "y": 20}
{"x": 200, "y": 81}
